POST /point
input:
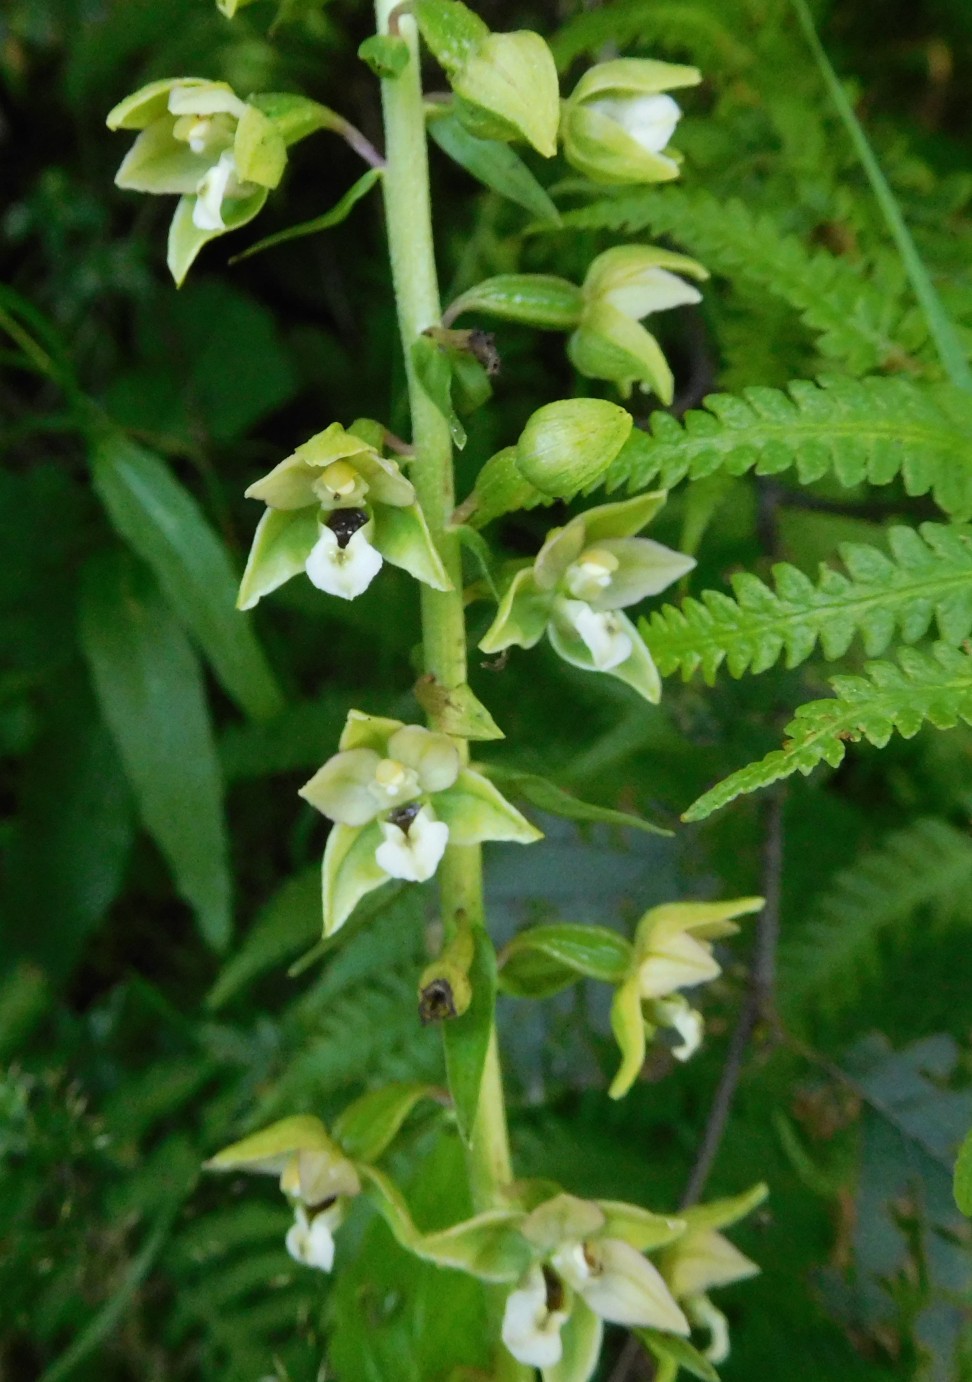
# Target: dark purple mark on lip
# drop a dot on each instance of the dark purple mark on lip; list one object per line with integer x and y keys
{"x": 344, "y": 523}
{"x": 403, "y": 816}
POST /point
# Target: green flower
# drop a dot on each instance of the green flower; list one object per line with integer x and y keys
{"x": 617, "y": 124}
{"x": 585, "y": 573}
{"x": 703, "y": 1259}
{"x": 198, "y": 140}
{"x": 588, "y": 1269}
{"x": 672, "y": 951}
{"x": 398, "y": 794}
{"x": 337, "y": 509}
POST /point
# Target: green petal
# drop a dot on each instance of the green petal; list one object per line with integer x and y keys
{"x": 639, "y": 1227}
{"x": 433, "y": 757}
{"x": 259, "y": 149}
{"x": 349, "y": 871}
{"x": 628, "y": 1026}
{"x": 634, "y": 77}
{"x": 644, "y": 568}
{"x": 386, "y": 483}
{"x": 475, "y": 810}
{"x": 562, "y": 546}
{"x": 341, "y": 789}
{"x": 186, "y": 239}
{"x": 150, "y": 102}
{"x": 522, "y": 615}
{"x": 638, "y": 670}
{"x": 290, "y": 485}
{"x": 623, "y": 264}
{"x": 281, "y": 545}
{"x": 268, "y": 1150}
{"x": 402, "y": 537}
{"x": 363, "y": 731}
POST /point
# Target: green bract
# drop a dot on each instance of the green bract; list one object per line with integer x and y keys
{"x": 505, "y": 84}
{"x": 335, "y": 509}
{"x": 398, "y": 794}
{"x": 623, "y": 285}
{"x": 584, "y": 574}
{"x": 617, "y": 123}
{"x": 672, "y": 951}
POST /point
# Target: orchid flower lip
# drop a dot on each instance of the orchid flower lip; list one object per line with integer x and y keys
{"x": 344, "y": 570}
{"x": 412, "y": 854}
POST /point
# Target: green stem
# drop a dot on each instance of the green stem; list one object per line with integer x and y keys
{"x": 409, "y": 218}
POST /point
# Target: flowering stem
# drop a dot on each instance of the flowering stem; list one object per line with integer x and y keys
{"x": 409, "y": 219}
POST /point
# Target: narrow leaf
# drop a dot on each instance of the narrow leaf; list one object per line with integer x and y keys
{"x": 150, "y": 688}
{"x": 339, "y": 212}
{"x": 496, "y": 166}
{"x": 963, "y": 1177}
{"x": 547, "y": 796}
{"x": 165, "y": 526}
{"x": 668, "y": 1348}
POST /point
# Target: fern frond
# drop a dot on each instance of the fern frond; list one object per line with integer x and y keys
{"x": 935, "y": 688}
{"x": 925, "y": 867}
{"x": 640, "y": 23}
{"x": 866, "y": 431}
{"x": 927, "y": 576}
{"x": 858, "y": 320}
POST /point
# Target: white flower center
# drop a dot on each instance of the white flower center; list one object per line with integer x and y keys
{"x": 340, "y": 481}
{"x": 531, "y": 1328}
{"x": 213, "y": 188}
{"x": 650, "y": 120}
{"x": 590, "y": 574}
{"x": 602, "y": 633}
{"x": 412, "y": 853}
{"x": 344, "y": 571}
{"x": 395, "y": 782}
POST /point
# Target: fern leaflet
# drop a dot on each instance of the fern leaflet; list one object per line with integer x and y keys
{"x": 926, "y": 866}
{"x": 628, "y": 23}
{"x": 857, "y": 319}
{"x": 926, "y": 576}
{"x": 867, "y": 431}
{"x": 890, "y": 698}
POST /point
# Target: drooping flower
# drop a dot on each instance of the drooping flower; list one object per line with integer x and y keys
{"x": 583, "y": 576}
{"x": 337, "y": 509}
{"x": 672, "y": 951}
{"x": 198, "y": 140}
{"x": 398, "y": 794}
{"x": 590, "y": 1269}
{"x": 703, "y": 1259}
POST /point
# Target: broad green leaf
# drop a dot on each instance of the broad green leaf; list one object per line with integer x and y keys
{"x": 545, "y": 959}
{"x": 547, "y": 796}
{"x": 339, "y": 212}
{"x": 467, "y": 1038}
{"x": 367, "y": 1127}
{"x": 150, "y": 688}
{"x": 495, "y": 165}
{"x": 163, "y": 523}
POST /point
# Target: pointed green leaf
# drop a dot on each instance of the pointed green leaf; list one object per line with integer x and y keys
{"x": 163, "y": 523}
{"x": 495, "y": 165}
{"x": 677, "y": 1353}
{"x": 281, "y": 545}
{"x": 545, "y": 959}
{"x": 456, "y": 710}
{"x": 367, "y": 1127}
{"x": 434, "y": 373}
{"x": 963, "y": 1177}
{"x": 151, "y": 691}
{"x": 339, "y": 212}
{"x": 547, "y": 796}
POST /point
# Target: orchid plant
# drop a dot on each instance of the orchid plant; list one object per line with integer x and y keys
{"x": 404, "y": 801}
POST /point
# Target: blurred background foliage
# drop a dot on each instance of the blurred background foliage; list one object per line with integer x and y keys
{"x": 160, "y": 875}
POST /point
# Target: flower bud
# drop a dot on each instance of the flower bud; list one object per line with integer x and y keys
{"x": 568, "y": 445}
{"x": 618, "y": 122}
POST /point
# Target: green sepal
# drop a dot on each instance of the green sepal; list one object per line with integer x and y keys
{"x": 633, "y": 77}
{"x": 451, "y": 30}
{"x": 366, "y": 1128}
{"x": 364, "y": 731}
{"x": 628, "y": 1026}
{"x": 434, "y": 373}
{"x": 466, "y": 1038}
{"x": 623, "y": 265}
{"x": 385, "y": 54}
{"x": 402, "y": 537}
{"x": 500, "y": 488}
{"x": 475, "y": 811}
{"x": 349, "y": 871}
{"x": 281, "y": 545}
{"x": 562, "y": 1219}
{"x": 272, "y": 1149}
{"x": 508, "y": 89}
{"x": 495, "y": 165}
{"x": 456, "y": 710}
{"x": 370, "y": 431}
{"x": 151, "y": 102}
{"x": 609, "y": 345}
{"x": 522, "y": 615}
{"x": 640, "y": 1227}
{"x": 674, "y": 1353}
{"x": 259, "y": 149}
{"x": 580, "y": 1341}
{"x": 705, "y": 920}
{"x": 724, "y": 1213}
{"x": 543, "y": 300}
{"x": 161, "y": 164}
{"x": 296, "y": 117}
{"x": 186, "y": 239}
{"x": 637, "y": 671}
{"x": 339, "y": 212}
{"x": 568, "y": 446}
{"x": 488, "y": 1247}
{"x": 624, "y": 518}
{"x": 547, "y": 796}
{"x": 605, "y": 152}
{"x": 546, "y": 959}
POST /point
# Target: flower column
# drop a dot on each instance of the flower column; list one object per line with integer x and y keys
{"x": 406, "y": 190}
